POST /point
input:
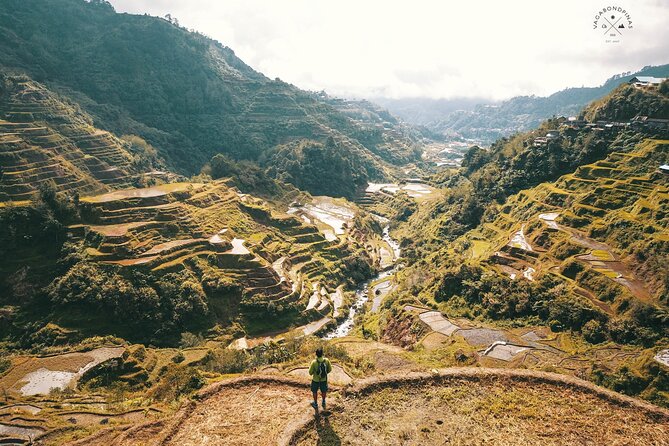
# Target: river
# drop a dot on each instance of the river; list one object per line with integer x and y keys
{"x": 344, "y": 327}
{"x": 362, "y": 290}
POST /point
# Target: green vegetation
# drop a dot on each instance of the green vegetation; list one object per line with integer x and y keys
{"x": 183, "y": 93}
{"x": 140, "y": 306}
{"x": 33, "y": 246}
{"x": 150, "y": 264}
{"x": 322, "y": 168}
{"x": 496, "y": 297}
{"x": 590, "y": 208}
{"x": 626, "y": 102}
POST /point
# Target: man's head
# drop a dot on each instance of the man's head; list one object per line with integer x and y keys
{"x": 319, "y": 352}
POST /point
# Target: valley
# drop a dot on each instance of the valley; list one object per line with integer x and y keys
{"x": 179, "y": 233}
{"x": 254, "y": 283}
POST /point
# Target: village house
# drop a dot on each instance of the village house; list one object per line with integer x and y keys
{"x": 541, "y": 141}
{"x": 650, "y": 123}
{"x": 646, "y": 81}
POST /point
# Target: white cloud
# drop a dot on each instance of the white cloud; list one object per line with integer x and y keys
{"x": 431, "y": 48}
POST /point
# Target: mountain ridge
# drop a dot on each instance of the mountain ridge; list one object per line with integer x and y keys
{"x": 490, "y": 121}
{"x": 185, "y": 94}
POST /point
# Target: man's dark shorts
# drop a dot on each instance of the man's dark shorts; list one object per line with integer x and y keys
{"x": 323, "y": 385}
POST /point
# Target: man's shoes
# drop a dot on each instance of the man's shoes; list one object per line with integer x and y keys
{"x": 314, "y": 405}
{"x": 323, "y": 405}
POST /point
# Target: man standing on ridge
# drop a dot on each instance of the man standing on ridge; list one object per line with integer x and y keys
{"x": 319, "y": 369}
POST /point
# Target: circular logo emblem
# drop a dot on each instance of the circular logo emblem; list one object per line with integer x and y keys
{"x": 613, "y": 22}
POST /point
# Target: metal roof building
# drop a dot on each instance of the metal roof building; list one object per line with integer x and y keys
{"x": 647, "y": 80}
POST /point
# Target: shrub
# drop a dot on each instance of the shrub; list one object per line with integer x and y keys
{"x": 594, "y": 331}
{"x": 224, "y": 361}
{"x": 572, "y": 269}
{"x": 177, "y": 381}
{"x": 5, "y": 364}
{"x": 189, "y": 339}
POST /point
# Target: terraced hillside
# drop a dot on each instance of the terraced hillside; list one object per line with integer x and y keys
{"x": 567, "y": 276}
{"x": 377, "y": 124}
{"x": 224, "y": 256}
{"x": 189, "y": 96}
{"x": 603, "y": 229}
{"x": 556, "y": 254}
{"x": 44, "y": 139}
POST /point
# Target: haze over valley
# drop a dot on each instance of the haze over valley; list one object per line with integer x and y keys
{"x": 478, "y": 244}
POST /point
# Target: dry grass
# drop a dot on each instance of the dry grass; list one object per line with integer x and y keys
{"x": 491, "y": 409}
{"x": 454, "y": 406}
{"x": 254, "y": 414}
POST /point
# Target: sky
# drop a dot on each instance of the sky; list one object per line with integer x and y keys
{"x": 427, "y": 48}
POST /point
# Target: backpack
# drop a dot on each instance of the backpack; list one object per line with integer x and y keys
{"x": 322, "y": 369}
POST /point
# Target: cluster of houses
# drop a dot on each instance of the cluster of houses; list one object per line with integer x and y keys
{"x": 646, "y": 122}
{"x": 543, "y": 140}
{"x": 639, "y": 123}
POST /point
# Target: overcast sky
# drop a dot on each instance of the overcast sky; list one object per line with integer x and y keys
{"x": 426, "y": 48}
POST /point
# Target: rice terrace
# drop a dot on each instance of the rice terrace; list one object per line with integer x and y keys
{"x": 396, "y": 242}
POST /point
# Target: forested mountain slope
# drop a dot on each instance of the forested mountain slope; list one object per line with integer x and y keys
{"x": 185, "y": 94}
{"x": 45, "y": 139}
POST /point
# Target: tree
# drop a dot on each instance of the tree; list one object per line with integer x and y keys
{"x": 594, "y": 332}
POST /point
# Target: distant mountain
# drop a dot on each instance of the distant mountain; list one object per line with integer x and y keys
{"x": 424, "y": 111}
{"x": 182, "y": 92}
{"x": 488, "y": 122}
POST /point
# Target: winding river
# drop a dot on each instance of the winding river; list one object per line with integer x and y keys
{"x": 362, "y": 291}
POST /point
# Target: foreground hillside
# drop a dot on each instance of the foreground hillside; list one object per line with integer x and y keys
{"x": 187, "y": 95}
{"x": 462, "y": 406}
{"x": 483, "y": 406}
{"x": 378, "y": 393}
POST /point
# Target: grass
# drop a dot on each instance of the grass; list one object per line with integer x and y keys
{"x": 14, "y": 203}
{"x": 479, "y": 248}
{"x": 494, "y": 412}
{"x": 437, "y": 350}
{"x": 154, "y": 191}
{"x": 607, "y": 272}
